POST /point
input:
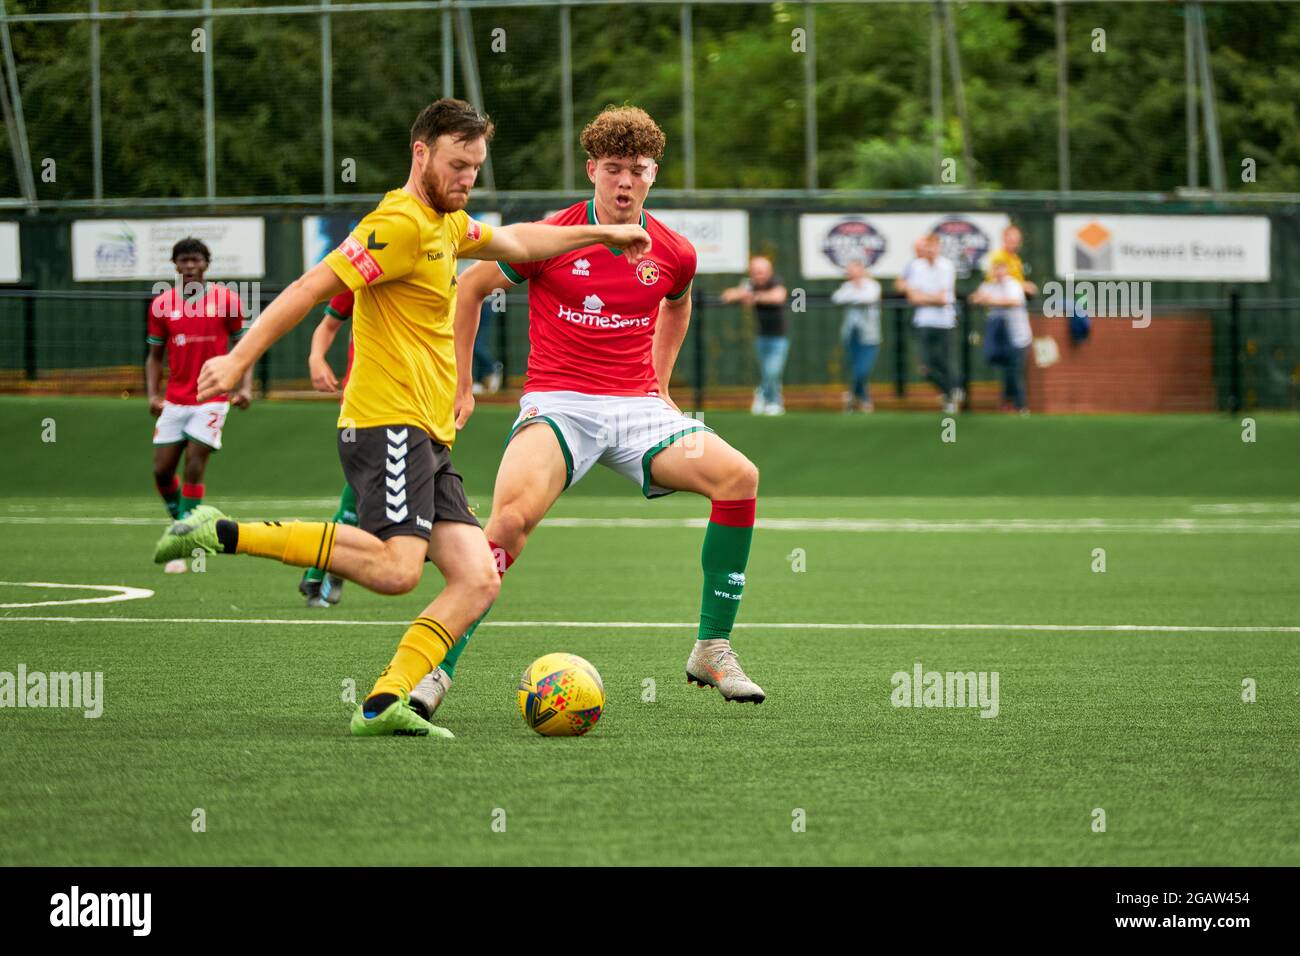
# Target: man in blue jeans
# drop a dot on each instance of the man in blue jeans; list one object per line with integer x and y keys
{"x": 766, "y": 292}
{"x": 860, "y": 331}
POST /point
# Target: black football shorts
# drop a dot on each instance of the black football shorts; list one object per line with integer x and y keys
{"x": 403, "y": 479}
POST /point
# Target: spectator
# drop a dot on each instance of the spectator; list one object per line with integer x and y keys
{"x": 931, "y": 288}
{"x": 488, "y": 372}
{"x": 766, "y": 292}
{"x": 1009, "y": 255}
{"x": 1005, "y": 294}
{"x": 860, "y": 332}
{"x": 900, "y": 283}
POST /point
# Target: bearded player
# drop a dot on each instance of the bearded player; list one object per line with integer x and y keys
{"x": 604, "y": 334}
{"x": 397, "y": 424}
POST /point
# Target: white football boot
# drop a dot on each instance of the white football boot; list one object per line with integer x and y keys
{"x": 428, "y": 694}
{"x": 714, "y": 664}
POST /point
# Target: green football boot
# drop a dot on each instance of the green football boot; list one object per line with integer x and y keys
{"x": 396, "y": 720}
{"x": 198, "y": 529}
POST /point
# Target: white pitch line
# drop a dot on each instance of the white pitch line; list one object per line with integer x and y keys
{"x": 117, "y": 592}
{"x": 678, "y": 625}
{"x": 847, "y": 525}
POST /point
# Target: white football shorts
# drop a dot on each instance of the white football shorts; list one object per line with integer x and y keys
{"x": 200, "y": 423}
{"x": 623, "y": 433}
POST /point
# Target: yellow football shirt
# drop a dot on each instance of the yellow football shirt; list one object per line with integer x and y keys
{"x": 1015, "y": 268}
{"x": 400, "y": 261}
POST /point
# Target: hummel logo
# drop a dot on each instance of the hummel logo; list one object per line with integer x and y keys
{"x": 582, "y": 268}
{"x": 423, "y": 523}
{"x": 373, "y": 243}
{"x": 592, "y": 303}
{"x": 434, "y": 256}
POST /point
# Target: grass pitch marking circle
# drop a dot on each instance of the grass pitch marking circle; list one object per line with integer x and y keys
{"x": 116, "y": 592}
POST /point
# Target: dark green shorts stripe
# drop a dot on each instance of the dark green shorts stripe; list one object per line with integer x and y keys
{"x": 564, "y": 446}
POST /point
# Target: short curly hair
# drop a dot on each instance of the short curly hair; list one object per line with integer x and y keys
{"x": 623, "y": 131}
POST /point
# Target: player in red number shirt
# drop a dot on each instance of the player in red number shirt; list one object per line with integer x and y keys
{"x": 190, "y": 325}
{"x": 604, "y": 336}
{"x": 319, "y": 588}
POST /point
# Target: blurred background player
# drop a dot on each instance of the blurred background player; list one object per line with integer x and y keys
{"x": 860, "y": 332}
{"x": 189, "y": 324}
{"x": 604, "y": 333}
{"x": 397, "y": 425}
{"x": 321, "y": 588}
{"x": 765, "y": 292}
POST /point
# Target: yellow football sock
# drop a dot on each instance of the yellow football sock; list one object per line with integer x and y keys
{"x": 423, "y": 647}
{"x": 307, "y": 544}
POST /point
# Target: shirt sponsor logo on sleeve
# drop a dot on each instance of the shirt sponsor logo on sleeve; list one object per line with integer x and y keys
{"x": 361, "y": 259}
{"x": 473, "y": 231}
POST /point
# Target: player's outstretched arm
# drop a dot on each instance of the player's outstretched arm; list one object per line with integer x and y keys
{"x": 153, "y": 376}
{"x": 223, "y": 372}
{"x": 473, "y": 286}
{"x": 318, "y": 366}
{"x": 526, "y": 241}
{"x": 670, "y": 331}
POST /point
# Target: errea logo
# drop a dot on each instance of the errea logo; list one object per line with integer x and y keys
{"x": 592, "y": 303}
{"x": 582, "y": 268}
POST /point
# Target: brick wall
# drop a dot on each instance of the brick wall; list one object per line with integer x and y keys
{"x": 1166, "y": 367}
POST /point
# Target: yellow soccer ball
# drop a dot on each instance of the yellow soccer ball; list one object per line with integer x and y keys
{"x": 561, "y": 695}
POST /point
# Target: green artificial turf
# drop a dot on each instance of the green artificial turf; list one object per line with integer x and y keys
{"x": 217, "y": 697}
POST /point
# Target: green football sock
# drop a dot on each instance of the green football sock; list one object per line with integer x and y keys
{"x": 449, "y": 662}
{"x": 191, "y": 498}
{"x": 171, "y": 496}
{"x": 346, "y": 514}
{"x": 724, "y": 557}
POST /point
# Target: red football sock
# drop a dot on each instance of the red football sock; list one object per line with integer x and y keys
{"x": 502, "y": 556}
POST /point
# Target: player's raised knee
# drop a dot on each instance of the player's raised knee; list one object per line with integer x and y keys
{"x": 741, "y": 482}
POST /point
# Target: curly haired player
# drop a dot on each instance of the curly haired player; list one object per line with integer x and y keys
{"x": 604, "y": 334}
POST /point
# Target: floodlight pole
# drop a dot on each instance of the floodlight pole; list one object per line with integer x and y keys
{"x": 327, "y": 102}
{"x": 13, "y": 109}
{"x": 96, "y": 110}
{"x": 209, "y": 107}
{"x": 1062, "y": 102}
{"x": 566, "y": 95}
{"x": 688, "y": 96}
{"x": 469, "y": 73}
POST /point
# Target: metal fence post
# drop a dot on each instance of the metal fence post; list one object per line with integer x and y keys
{"x": 963, "y": 326}
{"x": 900, "y": 352}
{"x": 29, "y": 337}
{"x": 1234, "y": 351}
{"x": 697, "y": 320}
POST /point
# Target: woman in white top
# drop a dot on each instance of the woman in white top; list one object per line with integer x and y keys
{"x": 860, "y": 332}
{"x": 1006, "y": 295}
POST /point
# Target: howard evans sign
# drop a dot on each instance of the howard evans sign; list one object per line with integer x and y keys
{"x": 1190, "y": 248}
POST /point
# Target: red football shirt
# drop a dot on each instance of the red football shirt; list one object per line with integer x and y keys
{"x": 591, "y": 314}
{"x": 194, "y": 331}
{"x": 341, "y": 308}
